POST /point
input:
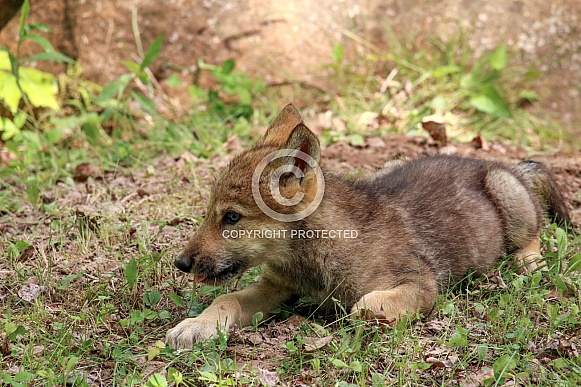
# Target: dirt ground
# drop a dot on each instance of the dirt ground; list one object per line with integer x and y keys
{"x": 292, "y": 41}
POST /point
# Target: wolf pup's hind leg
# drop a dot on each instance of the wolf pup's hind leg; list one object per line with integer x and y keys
{"x": 521, "y": 215}
{"x": 418, "y": 293}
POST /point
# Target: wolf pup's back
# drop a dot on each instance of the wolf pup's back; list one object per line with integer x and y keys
{"x": 465, "y": 213}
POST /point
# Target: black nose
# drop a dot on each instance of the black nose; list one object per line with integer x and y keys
{"x": 183, "y": 263}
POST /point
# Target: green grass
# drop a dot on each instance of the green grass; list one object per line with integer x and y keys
{"x": 110, "y": 293}
{"x": 490, "y": 95}
{"x": 87, "y": 285}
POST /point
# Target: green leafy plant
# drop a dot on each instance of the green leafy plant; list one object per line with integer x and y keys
{"x": 485, "y": 93}
{"x": 235, "y": 91}
{"x": 20, "y": 83}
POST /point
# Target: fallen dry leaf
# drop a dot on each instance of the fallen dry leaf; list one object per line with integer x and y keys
{"x": 437, "y": 325}
{"x": 27, "y": 254}
{"x": 375, "y": 142}
{"x": 30, "y": 291}
{"x": 480, "y": 143}
{"x": 85, "y": 170}
{"x": 436, "y": 127}
{"x": 314, "y": 344}
{"x": 439, "y": 363}
{"x": 268, "y": 378}
{"x": 478, "y": 377}
{"x": 4, "y": 345}
{"x": 186, "y": 157}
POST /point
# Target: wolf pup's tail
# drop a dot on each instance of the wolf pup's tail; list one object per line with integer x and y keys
{"x": 540, "y": 180}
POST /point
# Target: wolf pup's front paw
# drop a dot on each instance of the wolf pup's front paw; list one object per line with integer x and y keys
{"x": 190, "y": 331}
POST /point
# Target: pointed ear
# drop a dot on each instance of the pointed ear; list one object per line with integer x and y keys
{"x": 302, "y": 139}
{"x": 279, "y": 131}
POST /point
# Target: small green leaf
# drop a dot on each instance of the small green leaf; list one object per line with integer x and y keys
{"x": 21, "y": 245}
{"x": 338, "y": 53}
{"x": 32, "y": 189}
{"x": 196, "y": 92}
{"x": 40, "y": 87}
{"x": 176, "y": 299}
{"x": 532, "y": 74}
{"x": 504, "y": 364}
{"x": 110, "y": 91}
{"x": 458, "y": 339}
{"x": 56, "y": 56}
{"x": 467, "y": 81}
{"x": 113, "y": 89}
{"x": 153, "y": 352}
{"x": 37, "y": 27}
{"x": 20, "y": 119}
{"x": 147, "y": 104}
{"x": 132, "y": 66}
{"x": 528, "y": 95}
{"x": 490, "y": 101}
{"x": 152, "y": 298}
{"x": 157, "y": 380}
{"x": 560, "y": 363}
{"x": 174, "y": 375}
{"x": 5, "y": 62}
{"x": 173, "y": 81}
{"x": 439, "y": 103}
{"x": 228, "y": 66}
{"x": 20, "y": 331}
{"x": 164, "y": 315}
{"x": 448, "y": 308}
{"x": 338, "y": 363}
{"x": 562, "y": 242}
{"x": 574, "y": 263}
{"x": 66, "y": 282}
{"x": 131, "y": 272}
{"x": 53, "y": 136}
{"x": 291, "y": 347}
{"x": 137, "y": 317}
{"x": 356, "y": 366}
{"x": 9, "y": 328}
{"x": 498, "y": 58}
{"x": 208, "y": 376}
{"x": 41, "y": 40}
{"x": 8, "y": 129}
{"x": 257, "y": 318}
{"x": 24, "y": 376}
{"x": 356, "y": 139}
{"x": 244, "y": 96}
{"x": 24, "y": 11}
{"x": 92, "y": 130}
{"x": 152, "y": 52}
{"x": 10, "y": 93}
{"x": 71, "y": 363}
{"x": 442, "y": 71}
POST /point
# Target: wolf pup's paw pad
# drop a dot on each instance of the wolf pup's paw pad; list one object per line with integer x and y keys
{"x": 190, "y": 331}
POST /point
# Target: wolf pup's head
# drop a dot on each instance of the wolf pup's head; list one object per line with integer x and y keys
{"x": 255, "y": 201}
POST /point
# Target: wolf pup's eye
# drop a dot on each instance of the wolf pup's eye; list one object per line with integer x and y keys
{"x": 231, "y": 217}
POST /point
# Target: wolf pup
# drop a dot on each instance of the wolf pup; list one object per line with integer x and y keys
{"x": 385, "y": 246}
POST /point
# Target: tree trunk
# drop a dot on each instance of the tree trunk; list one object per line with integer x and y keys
{"x": 8, "y": 8}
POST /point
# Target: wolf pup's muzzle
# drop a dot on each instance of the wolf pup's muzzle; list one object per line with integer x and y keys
{"x": 184, "y": 264}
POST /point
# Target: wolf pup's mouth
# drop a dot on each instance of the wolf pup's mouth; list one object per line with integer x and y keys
{"x": 221, "y": 275}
